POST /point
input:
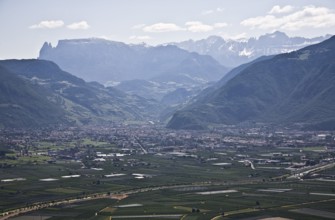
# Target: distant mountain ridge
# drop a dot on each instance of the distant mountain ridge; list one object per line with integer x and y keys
{"x": 103, "y": 60}
{"x": 297, "y": 87}
{"x": 232, "y": 53}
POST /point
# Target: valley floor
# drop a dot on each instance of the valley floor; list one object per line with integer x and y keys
{"x": 149, "y": 172}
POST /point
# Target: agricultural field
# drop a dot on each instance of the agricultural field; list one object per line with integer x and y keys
{"x": 90, "y": 176}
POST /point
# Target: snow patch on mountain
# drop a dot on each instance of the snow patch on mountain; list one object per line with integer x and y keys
{"x": 245, "y": 52}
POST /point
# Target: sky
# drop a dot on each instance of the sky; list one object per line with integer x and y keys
{"x": 27, "y": 24}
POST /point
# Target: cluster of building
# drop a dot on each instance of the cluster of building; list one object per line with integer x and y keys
{"x": 70, "y": 143}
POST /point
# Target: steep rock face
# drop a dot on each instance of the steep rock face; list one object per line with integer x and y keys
{"x": 297, "y": 87}
{"x": 232, "y": 53}
{"x": 102, "y": 60}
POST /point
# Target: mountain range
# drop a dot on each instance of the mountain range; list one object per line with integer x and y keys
{"x": 39, "y": 93}
{"x": 232, "y": 53}
{"x": 151, "y": 72}
{"x": 296, "y": 87}
{"x": 160, "y": 72}
{"x": 102, "y": 61}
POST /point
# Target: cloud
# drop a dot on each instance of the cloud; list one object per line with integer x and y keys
{"x": 240, "y": 36}
{"x": 162, "y": 27}
{"x": 51, "y": 24}
{"x": 197, "y": 26}
{"x": 145, "y": 37}
{"x": 263, "y": 22}
{"x": 278, "y": 10}
{"x": 48, "y": 24}
{"x": 192, "y": 26}
{"x": 82, "y": 25}
{"x": 307, "y": 17}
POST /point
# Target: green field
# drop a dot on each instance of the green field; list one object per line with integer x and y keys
{"x": 247, "y": 201}
{"x": 169, "y": 188}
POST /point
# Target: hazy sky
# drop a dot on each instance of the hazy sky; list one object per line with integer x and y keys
{"x": 27, "y": 24}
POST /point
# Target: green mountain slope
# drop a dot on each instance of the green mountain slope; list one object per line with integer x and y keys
{"x": 79, "y": 101}
{"x": 25, "y": 105}
{"x": 297, "y": 87}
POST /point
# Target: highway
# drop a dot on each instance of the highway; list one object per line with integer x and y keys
{"x": 309, "y": 170}
{"x": 171, "y": 216}
{"x": 94, "y": 196}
